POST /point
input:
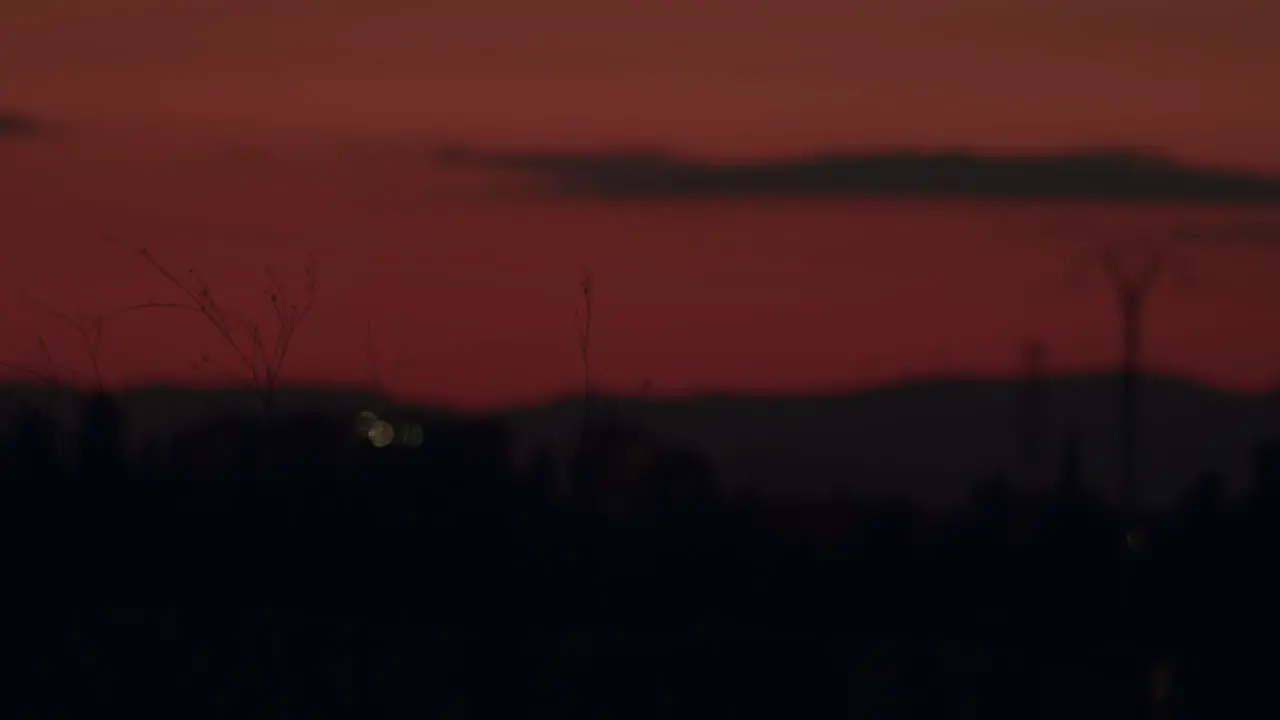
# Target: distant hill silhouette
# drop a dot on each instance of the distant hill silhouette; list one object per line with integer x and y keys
{"x": 929, "y": 439}
{"x": 933, "y": 439}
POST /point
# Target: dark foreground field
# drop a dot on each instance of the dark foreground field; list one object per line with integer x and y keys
{"x": 293, "y": 570}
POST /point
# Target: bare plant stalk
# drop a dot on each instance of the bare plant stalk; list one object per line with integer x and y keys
{"x": 88, "y": 328}
{"x": 46, "y": 371}
{"x": 31, "y": 372}
{"x": 582, "y": 324}
{"x": 1132, "y": 279}
{"x": 375, "y": 371}
{"x": 372, "y": 366}
{"x": 260, "y": 352}
{"x": 53, "y": 374}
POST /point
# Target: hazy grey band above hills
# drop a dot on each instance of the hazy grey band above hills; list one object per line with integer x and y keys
{"x": 930, "y": 439}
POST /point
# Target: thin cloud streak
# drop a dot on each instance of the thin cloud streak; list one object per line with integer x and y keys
{"x": 16, "y": 124}
{"x": 1256, "y": 233}
{"x": 1107, "y": 174}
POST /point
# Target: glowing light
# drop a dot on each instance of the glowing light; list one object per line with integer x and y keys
{"x": 381, "y": 434}
{"x": 365, "y": 422}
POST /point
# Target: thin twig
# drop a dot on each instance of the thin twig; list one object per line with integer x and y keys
{"x": 30, "y": 372}
{"x": 260, "y": 355}
{"x": 90, "y": 329}
{"x": 373, "y": 368}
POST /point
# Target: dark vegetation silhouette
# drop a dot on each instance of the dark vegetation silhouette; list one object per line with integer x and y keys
{"x": 290, "y": 568}
{"x": 258, "y": 350}
{"x": 330, "y": 578}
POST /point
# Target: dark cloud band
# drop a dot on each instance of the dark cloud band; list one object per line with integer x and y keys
{"x": 18, "y": 124}
{"x": 1103, "y": 175}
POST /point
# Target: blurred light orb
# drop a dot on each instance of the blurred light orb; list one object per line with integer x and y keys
{"x": 381, "y": 434}
{"x": 365, "y": 422}
{"x": 411, "y": 435}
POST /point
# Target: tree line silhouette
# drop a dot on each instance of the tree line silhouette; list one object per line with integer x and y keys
{"x": 280, "y": 570}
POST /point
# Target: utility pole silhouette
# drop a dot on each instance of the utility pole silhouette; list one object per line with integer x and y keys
{"x": 1033, "y": 410}
{"x": 1133, "y": 274}
{"x": 583, "y": 484}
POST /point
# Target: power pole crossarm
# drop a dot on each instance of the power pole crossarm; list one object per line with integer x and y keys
{"x": 1132, "y": 279}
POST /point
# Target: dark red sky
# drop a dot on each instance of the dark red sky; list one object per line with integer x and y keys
{"x": 227, "y": 134}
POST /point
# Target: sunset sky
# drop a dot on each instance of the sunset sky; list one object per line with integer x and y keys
{"x": 225, "y": 135}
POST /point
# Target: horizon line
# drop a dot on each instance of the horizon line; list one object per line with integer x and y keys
{"x": 427, "y": 400}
